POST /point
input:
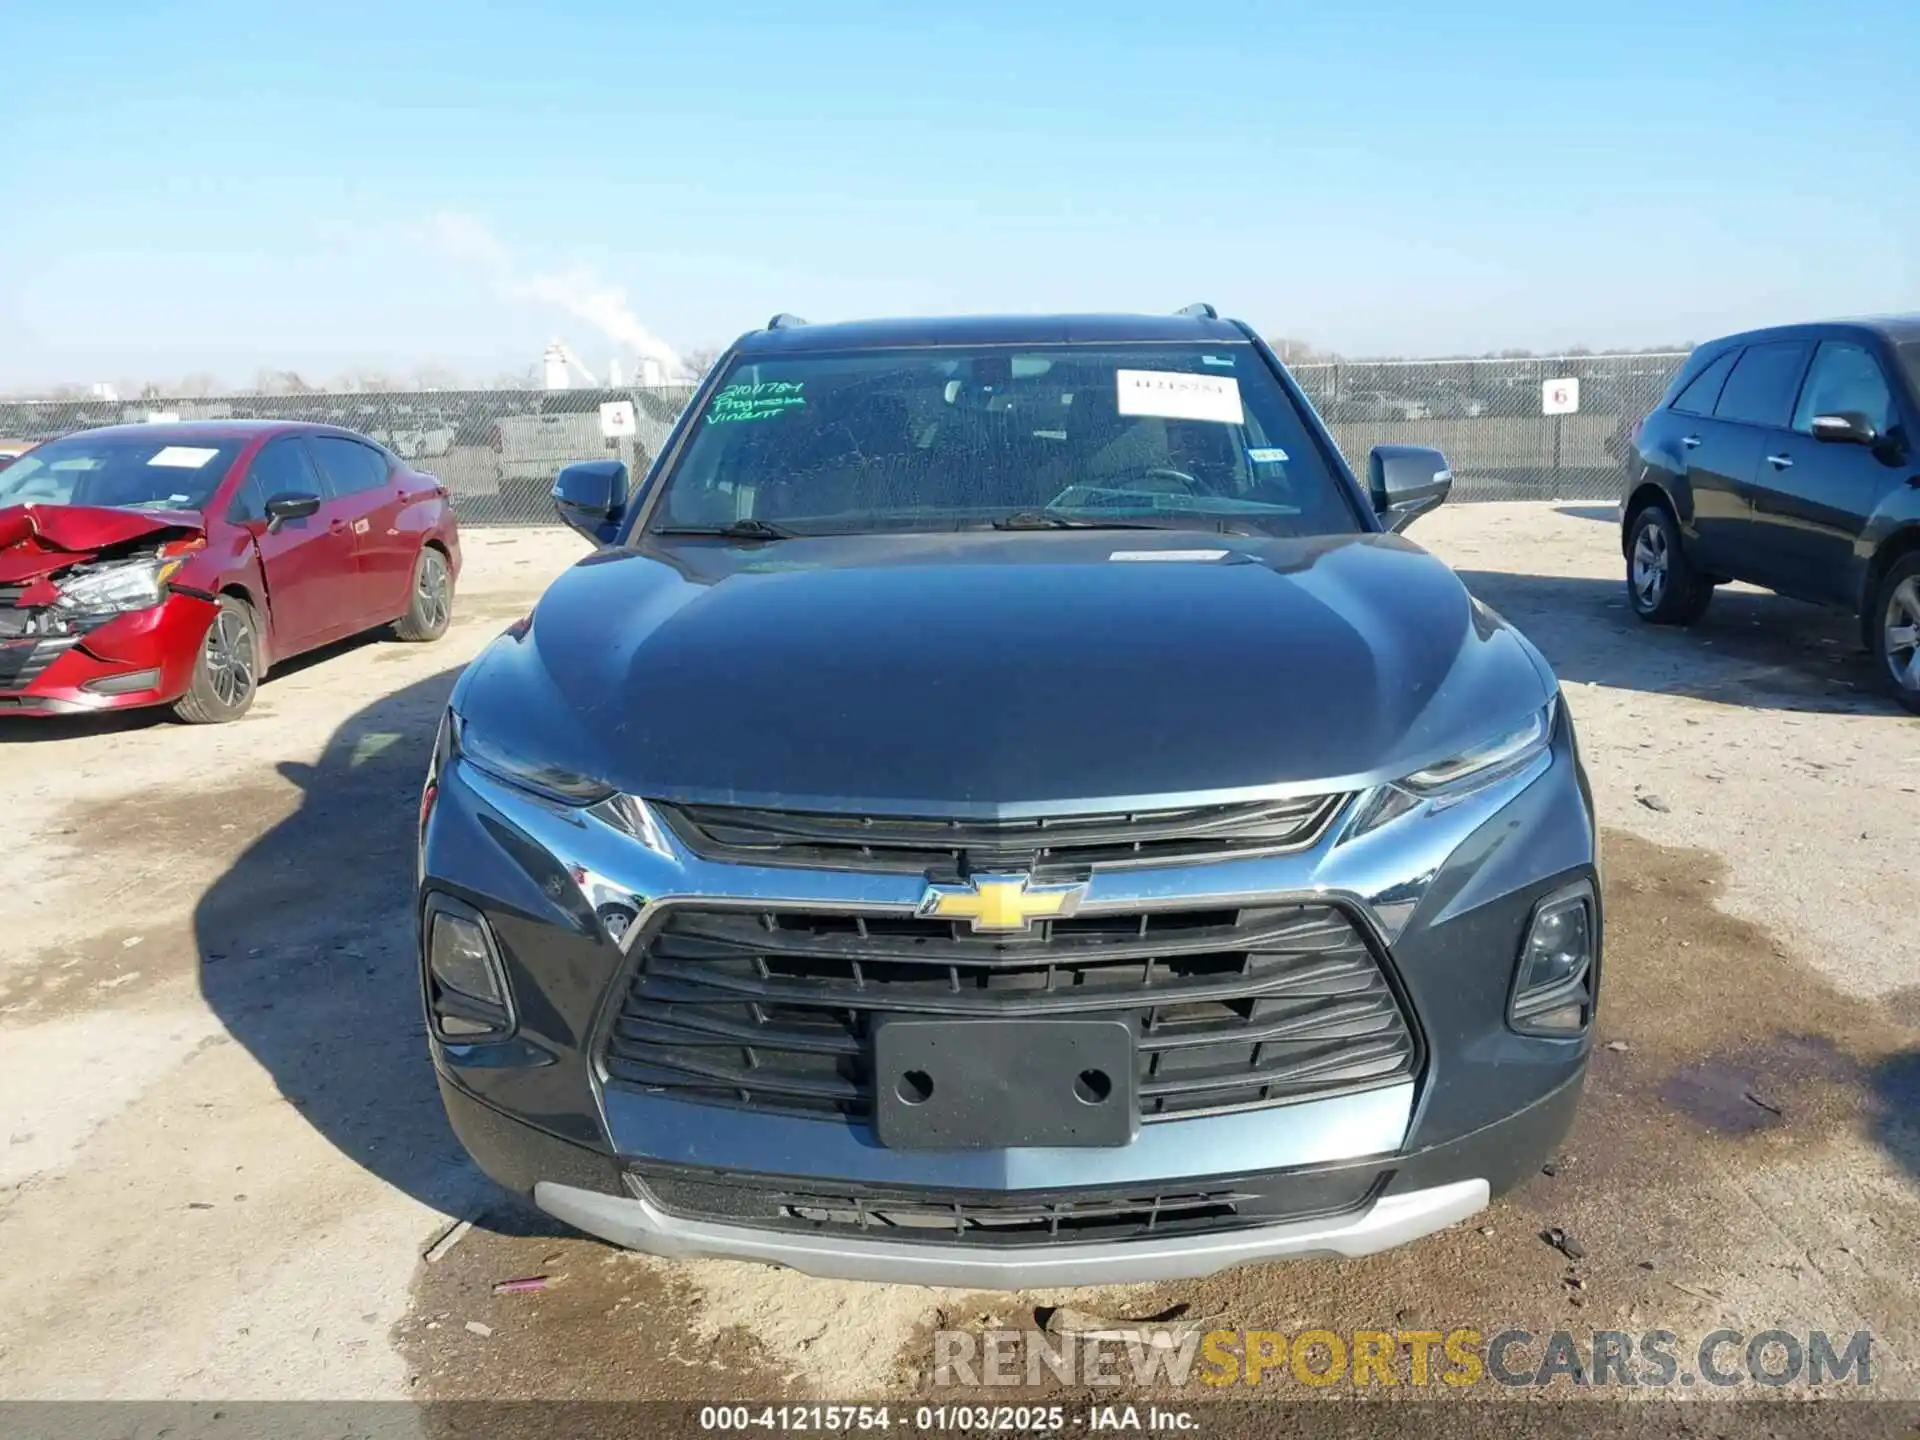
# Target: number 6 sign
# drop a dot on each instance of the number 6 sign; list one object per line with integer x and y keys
{"x": 1560, "y": 397}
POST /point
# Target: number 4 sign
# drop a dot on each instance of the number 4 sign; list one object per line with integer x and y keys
{"x": 1560, "y": 397}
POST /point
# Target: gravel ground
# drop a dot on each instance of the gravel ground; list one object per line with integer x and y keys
{"x": 225, "y": 1159}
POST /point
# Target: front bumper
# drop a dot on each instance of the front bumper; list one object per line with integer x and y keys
{"x": 1446, "y": 896}
{"x": 1409, "y": 1196}
{"x": 145, "y": 657}
{"x": 1392, "y": 1220}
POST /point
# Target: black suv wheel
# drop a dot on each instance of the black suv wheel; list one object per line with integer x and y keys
{"x": 1896, "y": 630}
{"x": 1662, "y": 585}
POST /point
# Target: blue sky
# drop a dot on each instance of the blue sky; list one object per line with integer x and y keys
{"x": 218, "y": 187}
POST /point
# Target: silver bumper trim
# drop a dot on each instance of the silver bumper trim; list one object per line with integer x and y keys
{"x": 639, "y": 1225}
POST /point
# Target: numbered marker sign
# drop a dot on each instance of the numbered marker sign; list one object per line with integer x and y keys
{"x": 1560, "y": 397}
{"x": 617, "y": 419}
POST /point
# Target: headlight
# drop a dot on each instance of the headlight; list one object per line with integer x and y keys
{"x": 115, "y": 588}
{"x": 1487, "y": 762}
{"x": 556, "y": 786}
{"x": 1447, "y": 783}
{"x": 550, "y": 782}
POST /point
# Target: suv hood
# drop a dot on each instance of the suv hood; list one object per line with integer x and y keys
{"x": 992, "y": 674}
{"x": 40, "y": 540}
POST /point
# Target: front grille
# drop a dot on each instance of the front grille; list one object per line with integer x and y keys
{"x": 22, "y": 661}
{"x": 1041, "y": 845}
{"x": 15, "y": 619}
{"x": 1009, "y": 1218}
{"x": 1232, "y": 1008}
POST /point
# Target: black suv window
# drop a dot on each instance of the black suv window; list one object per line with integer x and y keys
{"x": 1703, "y": 392}
{"x": 350, "y": 465}
{"x": 281, "y": 468}
{"x": 1761, "y": 388}
{"x": 1845, "y": 378}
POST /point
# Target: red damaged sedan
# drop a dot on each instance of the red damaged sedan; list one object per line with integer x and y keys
{"x": 173, "y": 564}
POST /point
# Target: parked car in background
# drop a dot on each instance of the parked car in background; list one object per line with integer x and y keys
{"x": 1453, "y": 405}
{"x": 174, "y": 564}
{"x": 12, "y": 450}
{"x": 535, "y": 447}
{"x": 1374, "y": 405}
{"x": 1787, "y": 458}
{"x": 421, "y": 436}
{"x": 566, "y": 428}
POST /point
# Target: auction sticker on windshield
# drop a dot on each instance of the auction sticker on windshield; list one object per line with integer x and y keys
{"x": 183, "y": 457}
{"x": 1175, "y": 395}
{"x": 756, "y": 402}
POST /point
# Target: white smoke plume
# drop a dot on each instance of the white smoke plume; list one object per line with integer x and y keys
{"x": 578, "y": 290}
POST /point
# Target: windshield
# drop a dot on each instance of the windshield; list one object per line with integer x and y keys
{"x": 1189, "y": 437}
{"x": 130, "y": 472}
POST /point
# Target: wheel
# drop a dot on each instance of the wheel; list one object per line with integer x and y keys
{"x": 226, "y": 673}
{"x": 1662, "y": 585}
{"x": 430, "y": 603}
{"x": 1896, "y": 630}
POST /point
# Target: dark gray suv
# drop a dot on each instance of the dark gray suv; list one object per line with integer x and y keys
{"x": 1786, "y": 458}
{"x": 1003, "y": 807}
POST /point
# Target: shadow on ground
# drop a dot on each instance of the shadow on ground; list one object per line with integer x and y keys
{"x": 1895, "y": 1121}
{"x": 1752, "y": 648}
{"x": 307, "y": 954}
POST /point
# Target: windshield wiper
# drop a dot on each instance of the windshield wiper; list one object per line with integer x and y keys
{"x": 1051, "y": 519}
{"x": 1048, "y": 519}
{"x": 734, "y": 530}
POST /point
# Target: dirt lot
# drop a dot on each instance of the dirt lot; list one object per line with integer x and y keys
{"x": 224, "y": 1157}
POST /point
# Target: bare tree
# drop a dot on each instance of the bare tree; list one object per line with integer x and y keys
{"x": 366, "y": 381}
{"x": 197, "y": 386}
{"x": 1301, "y": 352}
{"x": 434, "y": 376}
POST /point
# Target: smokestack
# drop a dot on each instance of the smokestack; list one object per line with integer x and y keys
{"x": 556, "y": 367}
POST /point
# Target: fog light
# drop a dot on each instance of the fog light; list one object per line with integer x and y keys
{"x": 125, "y": 684}
{"x": 1553, "y": 992}
{"x": 466, "y": 988}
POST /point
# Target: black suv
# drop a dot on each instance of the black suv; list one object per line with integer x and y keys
{"x": 1003, "y": 808}
{"x": 1786, "y": 458}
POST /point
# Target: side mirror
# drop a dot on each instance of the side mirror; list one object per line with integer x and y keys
{"x": 1847, "y": 427}
{"x": 1406, "y": 481}
{"x": 592, "y": 497}
{"x": 289, "y": 506}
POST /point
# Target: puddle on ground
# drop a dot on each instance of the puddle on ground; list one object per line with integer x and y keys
{"x": 1750, "y": 1090}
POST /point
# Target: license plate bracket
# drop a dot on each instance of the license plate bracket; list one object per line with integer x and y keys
{"x": 991, "y": 1084}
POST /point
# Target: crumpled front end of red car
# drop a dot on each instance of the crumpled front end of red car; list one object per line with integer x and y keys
{"x": 92, "y": 614}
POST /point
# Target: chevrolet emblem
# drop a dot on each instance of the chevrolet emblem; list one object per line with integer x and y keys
{"x": 1001, "y": 903}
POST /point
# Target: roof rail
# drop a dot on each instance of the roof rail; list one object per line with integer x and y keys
{"x": 784, "y": 321}
{"x": 1199, "y": 311}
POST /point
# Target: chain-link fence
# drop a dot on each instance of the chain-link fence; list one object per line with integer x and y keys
{"x": 1489, "y": 417}
{"x": 498, "y": 450}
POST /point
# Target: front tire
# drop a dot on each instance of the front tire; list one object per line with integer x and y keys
{"x": 226, "y": 672}
{"x": 1896, "y": 630}
{"x": 429, "y": 601}
{"x": 1662, "y": 586}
